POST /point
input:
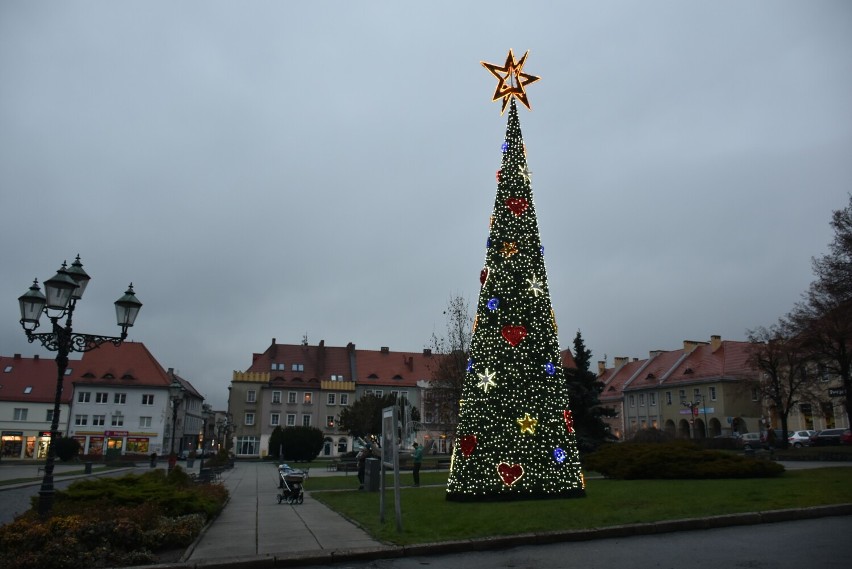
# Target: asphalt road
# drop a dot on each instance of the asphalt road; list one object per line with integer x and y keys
{"x": 822, "y": 543}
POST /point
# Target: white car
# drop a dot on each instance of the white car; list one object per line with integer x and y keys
{"x": 799, "y": 439}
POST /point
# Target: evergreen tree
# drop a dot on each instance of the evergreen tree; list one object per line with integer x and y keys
{"x": 584, "y": 391}
{"x": 515, "y": 438}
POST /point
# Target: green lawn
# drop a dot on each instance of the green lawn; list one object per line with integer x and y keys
{"x": 428, "y": 517}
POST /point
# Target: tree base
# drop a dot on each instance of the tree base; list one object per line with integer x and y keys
{"x": 514, "y": 496}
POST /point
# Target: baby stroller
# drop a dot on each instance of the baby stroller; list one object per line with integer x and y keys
{"x": 290, "y": 485}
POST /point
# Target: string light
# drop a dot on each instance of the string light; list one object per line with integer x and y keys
{"x": 515, "y": 440}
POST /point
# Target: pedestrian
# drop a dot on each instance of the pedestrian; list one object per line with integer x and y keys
{"x": 417, "y": 457}
{"x": 362, "y": 464}
{"x": 153, "y": 460}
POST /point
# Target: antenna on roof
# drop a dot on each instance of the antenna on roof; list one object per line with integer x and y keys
{"x": 305, "y": 339}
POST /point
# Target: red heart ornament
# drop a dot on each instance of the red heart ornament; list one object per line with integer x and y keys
{"x": 514, "y": 334}
{"x": 467, "y": 443}
{"x": 483, "y": 276}
{"x": 517, "y": 205}
{"x": 510, "y": 473}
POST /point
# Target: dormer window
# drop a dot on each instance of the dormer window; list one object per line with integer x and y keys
{"x": 28, "y": 389}
{"x": 7, "y": 369}
{"x": 688, "y": 371}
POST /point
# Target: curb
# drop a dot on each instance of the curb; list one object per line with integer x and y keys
{"x": 435, "y": 549}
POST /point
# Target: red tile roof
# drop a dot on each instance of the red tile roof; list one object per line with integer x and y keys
{"x": 372, "y": 367}
{"x": 393, "y": 368}
{"x": 37, "y": 374}
{"x": 127, "y": 365}
{"x": 615, "y": 379}
{"x": 729, "y": 360}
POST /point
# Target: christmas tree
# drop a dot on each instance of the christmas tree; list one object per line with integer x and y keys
{"x": 515, "y": 437}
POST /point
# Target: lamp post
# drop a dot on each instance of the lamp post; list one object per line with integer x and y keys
{"x": 176, "y": 395}
{"x": 63, "y": 291}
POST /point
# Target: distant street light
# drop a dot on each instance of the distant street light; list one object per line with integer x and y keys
{"x": 176, "y": 396}
{"x": 63, "y": 291}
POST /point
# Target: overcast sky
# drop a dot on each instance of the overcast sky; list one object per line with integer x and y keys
{"x": 266, "y": 170}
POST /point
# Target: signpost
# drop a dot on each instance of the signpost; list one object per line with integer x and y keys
{"x": 390, "y": 459}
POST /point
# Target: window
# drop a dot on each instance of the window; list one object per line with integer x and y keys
{"x": 329, "y": 421}
{"x": 641, "y": 400}
{"x": 332, "y": 398}
{"x": 336, "y": 377}
{"x": 308, "y": 396}
{"x": 7, "y": 369}
{"x": 81, "y": 420}
{"x": 101, "y": 397}
{"x": 696, "y": 393}
{"x": 48, "y": 416}
{"x": 755, "y": 394}
{"x": 400, "y": 395}
{"x": 251, "y": 396}
{"x": 144, "y": 422}
{"x": 98, "y": 420}
{"x": 682, "y": 394}
{"x": 632, "y": 400}
{"x": 147, "y": 399}
{"x": 344, "y": 399}
{"x": 117, "y": 421}
{"x": 120, "y": 398}
{"x": 291, "y": 397}
{"x": 20, "y": 414}
{"x": 278, "y": 367}
{"x": 712, "y": 393}
{"x": 375, "y": 392}
{"x": 652, "y": 399}
{"x": 668, "y": 397}
{"x": 275, "y": 419}
{"x": 342, "y": 445}
{"x": 298, "y": 367}
{"x": 28, "y": 389}
{"x": 84, "y": 397}
{"x": 276, "y": 397}
{"x": 247, "y": 446}
{"x": 306, "y": 420}
{"x": 291, "y": 420}
{"x": 249, "y": 419}
{"x": 822, "y": 372}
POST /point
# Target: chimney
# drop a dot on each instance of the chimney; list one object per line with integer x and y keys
{"x": 385, "y": 350}
{"x": 274, "y": 349}
{"x": 690, "y": 345}
{"x": 171, "y": 371}
{"x": 17, "y": 356}
{"x": 654, "y": 353}
{"x": 35, "y": 357}
{"x": 601, "y": 367}
{"x": 409, "y": 362}
{"x": 427, "y": 352}
{"x": 621, "y": 361}
{"x": 716, "y": 342}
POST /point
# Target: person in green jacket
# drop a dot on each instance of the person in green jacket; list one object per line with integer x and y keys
{"x": 417, "y": 457}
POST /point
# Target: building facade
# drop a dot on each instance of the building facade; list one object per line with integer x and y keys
{"x": 291, "y": 385}
{"x": 27, "y": 396}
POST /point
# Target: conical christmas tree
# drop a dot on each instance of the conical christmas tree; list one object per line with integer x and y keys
{"x": 515, "y": 437}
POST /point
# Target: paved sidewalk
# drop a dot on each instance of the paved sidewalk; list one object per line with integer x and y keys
{"x": 254, "y": 524}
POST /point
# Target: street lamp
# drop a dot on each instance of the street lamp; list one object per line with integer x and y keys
{"x": 176, "y": 395}
{"x": 63, "y": 290}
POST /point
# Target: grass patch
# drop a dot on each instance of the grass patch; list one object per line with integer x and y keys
{"x": 429, "y": 517}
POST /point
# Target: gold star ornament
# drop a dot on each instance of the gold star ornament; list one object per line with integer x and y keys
{"x": 527, "y": 424}
{"x": 511, "y": 80}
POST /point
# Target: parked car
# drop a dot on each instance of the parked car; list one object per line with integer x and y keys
{"x": 846, "y": 437}
{"x": 799, "y": 439}
{"x": 750, "y": 441}
{"x": 827, "y": 437}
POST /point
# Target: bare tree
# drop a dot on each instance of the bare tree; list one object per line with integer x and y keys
{"x": 824, "y": 317}
{"x": 449, "y": 367}
{"x": 780, "y": 354}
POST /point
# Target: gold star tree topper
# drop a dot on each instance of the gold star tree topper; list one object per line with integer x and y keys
{"x": 511, "y": 80}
